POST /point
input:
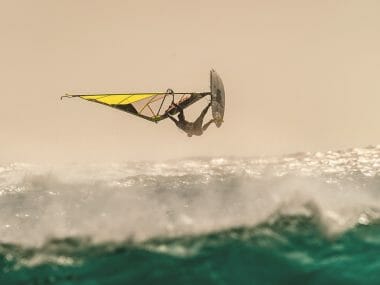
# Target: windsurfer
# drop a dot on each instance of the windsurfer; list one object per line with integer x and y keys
{"x": 191, "y": 128}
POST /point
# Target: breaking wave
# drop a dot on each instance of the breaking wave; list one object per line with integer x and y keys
{"x": 264, "y": 220}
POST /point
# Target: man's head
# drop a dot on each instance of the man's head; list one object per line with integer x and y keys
{"x": 189, "y": 135}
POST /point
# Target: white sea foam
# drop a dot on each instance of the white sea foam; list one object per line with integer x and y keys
{"x": 144, "y": 199}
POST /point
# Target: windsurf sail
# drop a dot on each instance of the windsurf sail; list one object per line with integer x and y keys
{"x": 150, "y": 106}
{"x": 156, "y": 106}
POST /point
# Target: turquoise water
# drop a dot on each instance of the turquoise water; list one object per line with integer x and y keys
{"x": 291, "y": 250}
{"x": 298, "y": 219}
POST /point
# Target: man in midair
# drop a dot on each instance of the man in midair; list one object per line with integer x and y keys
{"x": 191, "y": 128}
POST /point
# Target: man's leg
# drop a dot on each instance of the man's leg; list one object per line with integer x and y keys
{"x": 199, "y": 121}
{"x": 204, "y": 112}
{"x": 207, "y": 125}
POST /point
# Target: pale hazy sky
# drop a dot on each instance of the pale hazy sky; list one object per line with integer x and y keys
{"x": 299, "y": 75}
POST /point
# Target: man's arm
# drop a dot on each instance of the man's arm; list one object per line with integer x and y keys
{"x": 181, "y": 115}
{"x": 173, "y": 119}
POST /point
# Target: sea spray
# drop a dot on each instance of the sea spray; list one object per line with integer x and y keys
{"x": 296, "y": 219}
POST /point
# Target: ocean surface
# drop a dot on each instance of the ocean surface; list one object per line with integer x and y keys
{"x": 305, "y": 218}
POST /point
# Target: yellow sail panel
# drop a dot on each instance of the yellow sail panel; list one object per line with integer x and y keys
{"x": 118, "y": 99}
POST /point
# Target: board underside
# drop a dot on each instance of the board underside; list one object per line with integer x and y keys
{"x": 217, "y": 98}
